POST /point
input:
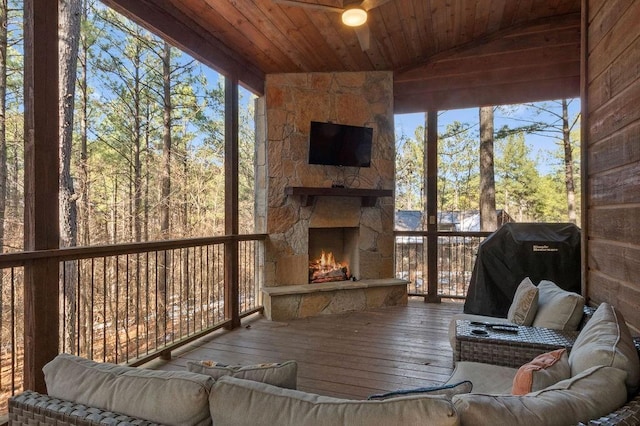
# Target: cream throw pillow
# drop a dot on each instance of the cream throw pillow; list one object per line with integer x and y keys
{"x": 557, "y": 308}
{"x": 282, "y": 374}
{"x": 525, "y": 304}
{"x": 543, "y": 371}
{"x": 606, "y": 340}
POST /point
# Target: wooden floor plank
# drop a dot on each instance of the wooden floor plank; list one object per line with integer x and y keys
{"x": 350, "y": 355}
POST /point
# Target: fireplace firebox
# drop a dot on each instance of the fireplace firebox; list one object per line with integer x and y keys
{"x": 333, "y": 254}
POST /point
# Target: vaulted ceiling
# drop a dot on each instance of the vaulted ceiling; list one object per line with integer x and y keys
{"x": 444, "y": 53}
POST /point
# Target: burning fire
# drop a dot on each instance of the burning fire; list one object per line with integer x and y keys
{"x": 327, "y": 268}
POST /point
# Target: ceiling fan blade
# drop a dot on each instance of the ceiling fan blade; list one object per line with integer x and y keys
{"x": 364, "y": 36}
{"x": 370, "y": 4}
{"x": 316, "y": 6}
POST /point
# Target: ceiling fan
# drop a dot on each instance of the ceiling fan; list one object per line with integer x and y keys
{"x": 353, "y": 15}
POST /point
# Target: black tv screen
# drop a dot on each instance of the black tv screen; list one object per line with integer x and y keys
{"x": 340, "y": 145}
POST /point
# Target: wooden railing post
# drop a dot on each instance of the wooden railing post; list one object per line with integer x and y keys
{"x": 231, "y": 276}
{"x": 432, "y": 207}
{"x": 41, "y": 232}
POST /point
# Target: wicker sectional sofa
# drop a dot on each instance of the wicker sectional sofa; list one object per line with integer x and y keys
{"x": 602, "y": 388}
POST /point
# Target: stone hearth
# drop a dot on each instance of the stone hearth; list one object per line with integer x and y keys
{"x": 301, "y": 301}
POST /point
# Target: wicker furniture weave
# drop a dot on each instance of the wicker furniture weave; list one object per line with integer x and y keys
{"x": 32, "y": 408}
{"x": 507, "y": 349}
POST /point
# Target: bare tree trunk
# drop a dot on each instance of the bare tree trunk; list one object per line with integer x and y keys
{"x": 3, "y": 124}
{"x": 137, "y": 173}
{"x": 568, "y": 164}
{"x": 69, "y": 35}
{"x": 3, "y": 144}
{"x": 166, "y": 143}
{"x": 114, "y": 212}
{"x": 83, "y": 216}
{"x": 488, "y": 217}
{"x": 165, "y": 190}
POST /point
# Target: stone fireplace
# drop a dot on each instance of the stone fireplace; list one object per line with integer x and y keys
{"x": 300, "y": 203}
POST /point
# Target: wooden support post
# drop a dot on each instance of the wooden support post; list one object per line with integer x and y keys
{"x": 231, "y": 277}
{"x": 432, "y": 207}
{"x": 41, "y": 232}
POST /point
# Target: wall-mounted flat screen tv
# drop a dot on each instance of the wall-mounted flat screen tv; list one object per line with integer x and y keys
{"x": 340, "y": 145}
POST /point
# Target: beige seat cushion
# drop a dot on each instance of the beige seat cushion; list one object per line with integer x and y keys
{"x": 283, "y": 374}
{"x": 165, "y": 397}
{"x": 606, "y": 340}
{"x": 590, "y": 395}
{"x": 557, "y": 308}
{"x": 486, "y": 378}
{"x": 240, "y": 402}
{"x": 525, "y": 304}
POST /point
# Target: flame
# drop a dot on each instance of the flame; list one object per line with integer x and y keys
{"x": 323, "y": 267}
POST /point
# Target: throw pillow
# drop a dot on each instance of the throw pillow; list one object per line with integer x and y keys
{"x": 606, "y": 340}
{"x": 543, "y": 371}
{"x": 282, "y": 374}
{"x": 525, "y": 304}
{"x": 446, "y": 390}
{"x": 557, "y": 308}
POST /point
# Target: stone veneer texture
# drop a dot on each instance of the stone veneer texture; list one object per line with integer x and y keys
{"x": 290, "y": 103}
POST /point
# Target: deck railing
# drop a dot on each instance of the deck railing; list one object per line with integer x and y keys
{"x": 456, "y": 257}
{"x": 130, "y": 303}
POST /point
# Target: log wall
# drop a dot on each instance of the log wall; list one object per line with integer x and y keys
{"x": 611, "y": 91}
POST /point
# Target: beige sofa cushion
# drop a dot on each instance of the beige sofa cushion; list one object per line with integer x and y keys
{"x": 590, "y": 395}
{"x": 166, "y": 397}
{"x": 606, "y": 340}
{"x": 242, "y": 402}
{"x": 557, "y": 308}
{"x": 486, "y": 378}
{"x": 544, "y": 370}
{"x": 525, "y": 304}
{"x": 284, "y": 374}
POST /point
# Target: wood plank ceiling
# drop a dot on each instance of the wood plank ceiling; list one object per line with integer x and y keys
{"x": 444, "y": 53}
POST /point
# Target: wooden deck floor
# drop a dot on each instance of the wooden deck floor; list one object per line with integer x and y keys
{"x": 350, "y": 355}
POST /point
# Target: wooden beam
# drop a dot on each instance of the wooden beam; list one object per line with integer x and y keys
{"x": 431, "y": 152}
{"x": 584, "y": 150}
{"x": 162, "y": 18}
{"x": 498, "y": 94}
{"x": 231, "y": 224}
{"x": 41, "y": 187}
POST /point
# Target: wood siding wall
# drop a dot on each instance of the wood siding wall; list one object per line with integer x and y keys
{"x": 612, "y": 107}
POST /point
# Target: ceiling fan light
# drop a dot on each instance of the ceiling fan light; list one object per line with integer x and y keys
{"x": 354, "y": 17}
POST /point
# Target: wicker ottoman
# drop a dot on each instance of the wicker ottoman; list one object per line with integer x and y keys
{"x": 505, "y": 348}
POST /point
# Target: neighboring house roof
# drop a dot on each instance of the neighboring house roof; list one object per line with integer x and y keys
{"x": 462, "y": 221}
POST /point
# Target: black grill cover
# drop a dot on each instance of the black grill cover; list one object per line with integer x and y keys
{"x": 540, "y": 251}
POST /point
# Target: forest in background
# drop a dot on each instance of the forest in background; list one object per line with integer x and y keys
{"x": 146, "y": 155}
{"x": 529, "y": 189}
